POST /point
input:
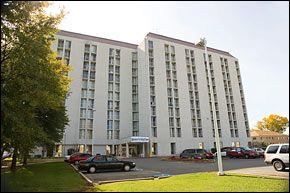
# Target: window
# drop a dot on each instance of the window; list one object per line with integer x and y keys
{"x": 93, "y": 66}
{"x": 83, "y": 103}
{"x": 92, "y": 84}
{"x": 154, "y": 131}
{"x": 60, "y": 43}
{"x": 82, "y": 123}
{"x": 84, "y": 93}
{"x": 90, "y": 124}
{"x": 273, "y": 149}
{"x": 150, "y": 44}
{"x": 91, "y": 103}
{"x": 166, "y": 48}
{"x": 111, "y": 51}
{"x": 194, "y": 132}
{"x": 85, "y": 74}
{"x": 82, "y": 134}
{"x": 109, "y": 124}
{"x": 116, "y": 124}
{"x": 89, "y": 134}
{"x": 135, "y": 117}
{"x": 86, "y": 56}
{"x": 117, "y": 95}
{"x": 83, "y": 113}
{"x": 172, "y": 148}
{"x": 284, "y": 149}
{"x": 94, "y": 49}
{"x": 110, "y": 134}
{"x": 110, "y": 104}
{"x": 90, "y": 114}
{"x": 178, "y": 132}
{"x": 110, "y": 114}
{"x": 172, "y": 49}
{"x": 92, "y": 75}
{"x": 172, "y": 132}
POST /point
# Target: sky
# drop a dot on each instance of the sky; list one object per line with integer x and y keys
{"x": 257, "y": 33}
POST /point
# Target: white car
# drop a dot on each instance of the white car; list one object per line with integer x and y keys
{"x": 278, "y": 156}
{"x": 259, "y": 151}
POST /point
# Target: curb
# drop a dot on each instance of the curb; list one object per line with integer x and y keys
{"x": 123, "y": 180}
{"x": 85, "y": 177}
{"x": 135, "y": 179}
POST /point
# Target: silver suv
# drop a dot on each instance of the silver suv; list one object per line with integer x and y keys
{"x": 278, "y": 156}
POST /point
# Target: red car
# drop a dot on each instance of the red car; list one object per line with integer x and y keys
{"x": 241, "y": 152}
{"x": 77, "y": 157}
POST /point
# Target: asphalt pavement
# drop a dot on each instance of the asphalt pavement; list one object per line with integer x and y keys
{"x": 147, "y": 168}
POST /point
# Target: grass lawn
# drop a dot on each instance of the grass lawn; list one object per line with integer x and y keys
{"x": 200, "y": 182}
{"x": 45, "y": 177}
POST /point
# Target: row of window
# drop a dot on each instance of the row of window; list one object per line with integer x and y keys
{"x": 229, "y": 98}
{"x": 172, "y": 94}
{"x": 242, "y": 99}
{"x": 210, "y": 76}
{"x": 135, "y": 105}
{"x": 63, "y": 50}
{"x": 152, "y": 90}
{"x": 88, "y": 92}
{"x": 113, "y": 122}
{"x": 193, "y": 94}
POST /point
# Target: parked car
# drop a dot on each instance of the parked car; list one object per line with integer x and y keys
{"x": 69, "y": 153}
{"x": 223, "y": 151}
{"x": 245, "y": 152}
{"x": 196, "y": 153}
{"x": 77, "y": 157}
{"x": 104, "y": 163}
{"x": 278, "y": 156}
{"x": 259, "y": 151}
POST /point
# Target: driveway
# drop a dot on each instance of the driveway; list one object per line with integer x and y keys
{"x": 267, "y": 171}
{"x": 153, "y": 167}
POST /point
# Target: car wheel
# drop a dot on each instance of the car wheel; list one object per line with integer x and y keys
{"x": 77, "y": 162}
{"x": 246, "y": 156}
{"x": 278, "y": 165}
{"x": 92, "y": 169}
{"x": 126, "y": 168}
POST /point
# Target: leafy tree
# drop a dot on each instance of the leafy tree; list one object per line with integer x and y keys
{"x": 273, "y": 122}
{"x": 33, "y": 81}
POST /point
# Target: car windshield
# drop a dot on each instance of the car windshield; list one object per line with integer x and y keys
{"x": 90, "y": 159}
{"x": 247, "y": 149}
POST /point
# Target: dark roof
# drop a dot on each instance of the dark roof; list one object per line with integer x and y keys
{"x": 97, "y": 39}
{"x": 153, "y": 35}
{"x": 134, "y": 46}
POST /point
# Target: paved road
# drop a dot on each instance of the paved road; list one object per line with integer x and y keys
{"x": 149, "y": 167}
{"x": 267, "y": 171}
{"x": 175, "y": 168}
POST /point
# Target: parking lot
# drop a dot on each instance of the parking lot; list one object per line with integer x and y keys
{"x": 150, "y": 167}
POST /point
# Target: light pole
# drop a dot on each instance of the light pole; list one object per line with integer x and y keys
{"x": 217, "y": 138}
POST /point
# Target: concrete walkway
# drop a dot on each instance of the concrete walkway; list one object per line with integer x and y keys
{"x": 266, "y": 171}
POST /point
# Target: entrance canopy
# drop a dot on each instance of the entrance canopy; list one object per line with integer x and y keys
{"x": 138, "y": 139}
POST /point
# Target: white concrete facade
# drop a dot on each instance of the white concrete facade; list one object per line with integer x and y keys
{"x": 162, "y": 140}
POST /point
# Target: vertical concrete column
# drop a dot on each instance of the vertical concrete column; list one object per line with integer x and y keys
{"x": 113, "y": 149}
{"x": 127, "y": 150}
{"x": 143, "y": 150}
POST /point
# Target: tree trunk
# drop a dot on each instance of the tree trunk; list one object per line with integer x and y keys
{"x": 25, "y": 159}
{"x": 14, "y": 157}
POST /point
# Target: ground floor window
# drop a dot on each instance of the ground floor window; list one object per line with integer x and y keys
{"x": 173, "y": 148}
{"x": 154, "y": 149}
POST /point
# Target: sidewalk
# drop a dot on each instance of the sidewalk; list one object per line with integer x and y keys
{"x": 266, "y": 171}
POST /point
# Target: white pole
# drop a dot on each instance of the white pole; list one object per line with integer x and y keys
{"x": 217, "y": 138}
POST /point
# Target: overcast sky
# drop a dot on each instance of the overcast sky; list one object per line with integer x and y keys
{"x": 257, "y": 33}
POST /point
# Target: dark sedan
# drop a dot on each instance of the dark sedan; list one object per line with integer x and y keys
{"x": 105, "y": 163}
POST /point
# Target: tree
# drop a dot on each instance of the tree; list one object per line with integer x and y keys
{"x": 273, "y": 122}
{"x": 33, "y": 82}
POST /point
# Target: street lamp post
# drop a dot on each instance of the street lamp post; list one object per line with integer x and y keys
{"x": 217, "y": 138}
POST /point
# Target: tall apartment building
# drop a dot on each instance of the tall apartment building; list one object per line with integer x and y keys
{"x": 149, "y": 99}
